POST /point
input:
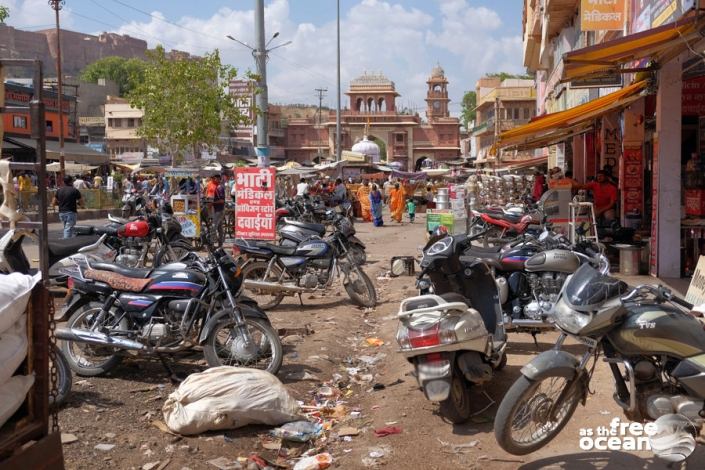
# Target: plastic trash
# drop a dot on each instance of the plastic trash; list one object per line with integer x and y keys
{"x": 298, "y": 431}
{"x": 374, "y": 341}
{"x": 314, "y": 463}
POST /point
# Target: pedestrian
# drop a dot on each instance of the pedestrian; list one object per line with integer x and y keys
{"x": 68, "y": 198}
{"x": 430, "y": 198}
{"x": 396, "y": 202}
{"x": 411, "y": 207}
{"x": 376, "y": 201}
{"x": 24, "y": 182}
{"x": 218, "y": 211}
{"x": 78, "y": 183}
{"x": 605, "y": 199}
{"x": 339, "y": 192}
{"x": 363, "y": 197}
{"x": 97, "y": 181}
{"x": 33, "y": 178}
{"x": 539, "y": 185}
{"x": 385, "y": 190}
{"x": 302, "y": 188}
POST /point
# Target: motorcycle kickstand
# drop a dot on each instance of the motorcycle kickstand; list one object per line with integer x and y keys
{"x": 301, "y": 300}
{"x": 175, "y": 377}
{"x": 533, "y": 335}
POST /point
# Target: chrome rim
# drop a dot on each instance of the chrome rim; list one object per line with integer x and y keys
{"x": 230, "y": 348}
{"x": 89, "y": 355}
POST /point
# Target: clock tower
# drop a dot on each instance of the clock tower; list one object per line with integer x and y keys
{"x": 437, "y": 95}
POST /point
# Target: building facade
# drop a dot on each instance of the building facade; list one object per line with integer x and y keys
{"x": 121, "y": 124}
{"x": 408, "y": 139}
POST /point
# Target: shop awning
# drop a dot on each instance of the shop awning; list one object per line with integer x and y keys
{"x": 72, "y": 151}
{"x": 519, "y": 164}
{"x": 565, "y": 124}
{"x": 659, "y": 45}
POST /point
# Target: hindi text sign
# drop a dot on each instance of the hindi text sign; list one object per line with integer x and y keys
{"x": 254, "y": 214}
{"x": 601, "y": 15}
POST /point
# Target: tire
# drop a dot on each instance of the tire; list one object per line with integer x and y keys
{"x": 502, "y": 362}
{"x": 255, "y": 272}
{"x": 64, "y": 378}
{"x": 80, "y": 355}
{"x": 218, "y": 346}
{"x": 358, "y": 254}
{"x": 164, "y": 257}
{"x": 356, "y": 288}
{"x": 521, "y": 407}
{"x": 492, "y": 233}
{"x": 457, "y": 406}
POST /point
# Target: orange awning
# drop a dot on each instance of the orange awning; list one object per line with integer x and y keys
{"x": 559, "y": 126}
{"x": 659, "y": 45}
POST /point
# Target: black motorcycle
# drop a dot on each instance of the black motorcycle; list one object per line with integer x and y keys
{"x": 165, "y": 310}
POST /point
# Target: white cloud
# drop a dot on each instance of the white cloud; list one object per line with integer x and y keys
{"x": 35, "y": 13}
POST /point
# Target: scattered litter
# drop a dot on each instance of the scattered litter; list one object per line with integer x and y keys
{"x": 396, "y": 382}
{"x": 224, "y": 463}
{"x": 383, "y": 278}
{"x": 68, "y": 438}
{"x": 387, "y": 431}
{"x": 492, "y": 402}
{"x": 295, "y": 356}
{"x": 164, "y": 464}
{"x": 169, "y": 448}
{"x": 298, "y": 431}
{"x": 326, "y": 391}
{"x": 366, "y": 378}
{"x": 457, "y": 448}
{"x": 507, "y": 460}
{"x": 603, "y": 412}
{"x": 348, "y": 393}
{"x": 84, "y": 383}
{"x": 355, "y": 414}
{"x": 376, "y": 455}
{"x": 148, "y": 452}
{"x": 316, "y": 462}
{"x": 302, "y": 376}
{"x": 376, "y": 407}
{"x": 150, "y": 465}
{"x": 110, "y": 435}
{"x": 347, "y": 439}
{"x": 391, "y": 423}
{"x": 272, "y": 445}
{"x": 372, "y": 360}
{"x": 483, "y": 419}
{"x": 104, "y": 447}
{"x": 347, "y": 450}
{"x": 378, "y": 387}
{"x": 374, "y": 341}
{"x": 348, "y": 431}
{"x": 286, "y": 332}
{"x": 482, "y": 457}
{"x": 292, "y": 339}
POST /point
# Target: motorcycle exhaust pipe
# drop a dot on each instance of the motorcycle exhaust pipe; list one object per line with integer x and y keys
{"x": 273, "y": 286}
{"x": 510, "y": 323}
{"x": 96, "y": 338}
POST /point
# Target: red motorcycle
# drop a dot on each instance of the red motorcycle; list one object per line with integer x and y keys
{"x": 500, "y": 228}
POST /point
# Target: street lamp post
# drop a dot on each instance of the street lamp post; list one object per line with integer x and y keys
{"x": 259, "y": 52}
{"x": 57, "y": 5}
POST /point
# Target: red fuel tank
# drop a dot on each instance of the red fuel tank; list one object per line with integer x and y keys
{"x": 138, "y": 228}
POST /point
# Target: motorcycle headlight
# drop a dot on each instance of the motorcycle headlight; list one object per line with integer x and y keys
{"x": 403, "y": 336}
{"x": 568, "y": 319}
{"x": 423, "y": 283}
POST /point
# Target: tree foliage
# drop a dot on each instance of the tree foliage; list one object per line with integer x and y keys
{"x": 382, "y": 149}
{"x": 468, "y": 105}
{"x": 504, "y": 75}
{"x": 127, "y": 73}
{"x": 185, "y": 100}
{"x": 4, "y": 14}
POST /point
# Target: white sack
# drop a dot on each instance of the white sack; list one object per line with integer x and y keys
{"x": 13, "y": 350}
{"x": 15, "y": 289}
{"x": 12, "y": 394}
{"x": 228, "y": 398}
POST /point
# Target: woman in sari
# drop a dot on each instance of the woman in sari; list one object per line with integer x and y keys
{"x": 376, "y": 203}
{"x": 363, "y": 196}
{"x": 396, "y": 202}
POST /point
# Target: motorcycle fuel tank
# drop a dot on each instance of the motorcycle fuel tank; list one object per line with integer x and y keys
{"x": 562, "y": 261}
{"x": 314, "y": 249}
{"x": 138, "y": 228}
{"x": 182, "y": 284}
{"x": 514, "y": 259}
{"x": 653, "y": 329}
{"x": 132, "y": 303}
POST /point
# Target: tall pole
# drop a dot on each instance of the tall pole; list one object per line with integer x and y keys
{"x": 320, "y": 103}
{"x": 57, "y": 5}
{"x": 261, "y": 99}
{"x": 339, "y": 138}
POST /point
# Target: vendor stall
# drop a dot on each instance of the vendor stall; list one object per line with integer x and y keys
{"x": 187, "y": 207}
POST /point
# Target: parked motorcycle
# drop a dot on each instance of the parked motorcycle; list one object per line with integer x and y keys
{"x": 273, "y": 271}
{"x": 132, "y": 203}
{"x": 652, "y": 345}
{"x": 163, "y": 311}
{"x": 453, "y": 341}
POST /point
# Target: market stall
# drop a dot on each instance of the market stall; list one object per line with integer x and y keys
{"x": 187, "y": 207}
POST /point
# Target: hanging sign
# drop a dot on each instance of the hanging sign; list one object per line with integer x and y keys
{"x": 601, "y": 15}
{"x": 255, "y": 203}
{"x": 632, "y": 183}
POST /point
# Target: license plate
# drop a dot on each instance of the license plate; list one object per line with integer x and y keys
{"x": 585, "y": 340}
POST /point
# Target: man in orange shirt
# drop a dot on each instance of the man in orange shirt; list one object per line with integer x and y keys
{"x": 605, "y": 198}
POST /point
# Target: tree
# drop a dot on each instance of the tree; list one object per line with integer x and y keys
{"x": 468, "y": 104}
{"x": 185, "y": 100}
{"x": 4, "y": 14}
{"x": 504, "y": 75}
{"x": 127, "y": 73}
{"x": 382, "y": 150}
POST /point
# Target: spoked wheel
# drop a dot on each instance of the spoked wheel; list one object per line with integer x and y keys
{"x": 457, "y": 406}
{"x": 360, "y": 288}
{"x": 493, "y": 237}
{"x": 523, "y": 423}
{"x": 64, "y": 378}
{"x": 255, "y": 272}
{"x": 89, "y": 360}
{"x": 164, "y": 256}
{"x": 225, "y": 346}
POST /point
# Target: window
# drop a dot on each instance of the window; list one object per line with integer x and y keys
{"x": 516, "y": 113}
{"x": 50, "y": 126}
{"x": 110, "y": 122}
{"x": 527, "y": 113}
{"x": 130, "y": 122}
{"x": 19, "y": 122}
{"x": 117, "y": 122}
{"x": 400, "y": 137}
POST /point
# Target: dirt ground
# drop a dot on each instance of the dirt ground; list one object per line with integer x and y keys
{"x": 117, "y": 409}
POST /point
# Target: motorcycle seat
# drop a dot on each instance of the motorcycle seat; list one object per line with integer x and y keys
{"x": 117, "y": 281}
{"x": 126, "y": 271}
{"x": 278, "y": 249}
{"x": 70, "y": 246}
{"x": 83, "y": 230}
{"x": 105, "y": 230}
{"x": 318, "y": 228}
{"x": 512, "y": 219}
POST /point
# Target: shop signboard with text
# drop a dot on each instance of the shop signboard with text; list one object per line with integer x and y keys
{"x": 632, "y": 184}
{"x": 602, "y": 15}
{"x": 436, "y": 217}
{"x": 254, "y": 213}
{"x": 647, "y": 14}
{"x": 653, "y": 259}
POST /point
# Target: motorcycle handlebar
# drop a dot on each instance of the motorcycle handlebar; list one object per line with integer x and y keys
{"x": 681, "y": 302}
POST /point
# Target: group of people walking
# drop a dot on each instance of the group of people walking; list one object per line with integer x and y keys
{"x": 372, "y": 202}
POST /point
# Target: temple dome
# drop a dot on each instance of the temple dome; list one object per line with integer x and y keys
{"x": 367, "y": 147}
{"x": 437, "y": 71}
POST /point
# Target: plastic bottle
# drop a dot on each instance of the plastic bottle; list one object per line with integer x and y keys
{"x": 314, "y": 463}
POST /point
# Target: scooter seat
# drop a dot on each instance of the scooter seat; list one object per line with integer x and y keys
{"x": 318, "y": 228}
{"x": 69, "y": 246}
{"x": 126, "y": 271}
{"x": 278, "y": 249}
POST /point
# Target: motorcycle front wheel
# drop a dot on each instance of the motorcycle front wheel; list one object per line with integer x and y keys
{"x": 164, "y": 255}
{"x": 522, "y": 424}
{"x": 255, "y": 272}
{"x": 125, "y": 213}
{"x": 360, "y": 288}
{"x": 225, "y": 346}
{"x": 64, "y": 378}
{"x": 88, "y": 360}
{"x": 493, "y": 237}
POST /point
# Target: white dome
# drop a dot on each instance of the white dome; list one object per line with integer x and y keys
{"x": 367, "y": 147}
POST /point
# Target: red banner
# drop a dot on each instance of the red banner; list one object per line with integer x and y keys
{"x": 633, "y": 182}
{"x": 254, "y": 216}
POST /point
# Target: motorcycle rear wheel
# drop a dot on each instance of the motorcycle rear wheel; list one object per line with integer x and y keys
{"x": 164, "y": 257}
{"x": 527, "y": 405}
{"x": 457, "y": 406}
{"x": 88, "y": 360}
{"x": 360, "y": 288}
{"x": 224, "y": 346}
{"x": 64, "y": 378}
{"x": 255, "y": 272}
{"x": 493, "y": 237}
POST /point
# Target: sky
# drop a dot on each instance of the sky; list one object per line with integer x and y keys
{"x": 402, "y": 38}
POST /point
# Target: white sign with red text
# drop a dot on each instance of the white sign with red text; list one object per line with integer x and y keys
{"x": 254, "y": 213}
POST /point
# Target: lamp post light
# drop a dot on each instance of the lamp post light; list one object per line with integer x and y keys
{"x": 259, "y": 52}
{"x": 57, "y": 5}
